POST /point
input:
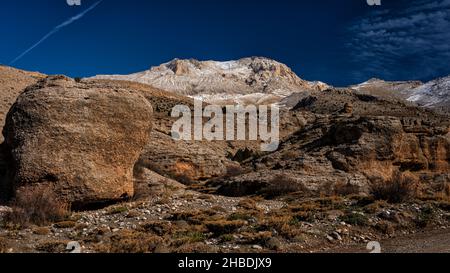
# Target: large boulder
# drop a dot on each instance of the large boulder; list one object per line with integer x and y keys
{"x": 12, "y": 83}
{"x": 81, "y": 139}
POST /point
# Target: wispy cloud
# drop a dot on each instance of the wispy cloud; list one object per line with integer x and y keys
{"x": 412, "y": 42}
{"x": 55, "y": 30}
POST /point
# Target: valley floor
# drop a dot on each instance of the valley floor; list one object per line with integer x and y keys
{"x": 188, "y": 221}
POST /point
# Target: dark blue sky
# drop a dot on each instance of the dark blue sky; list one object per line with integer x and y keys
{"x": 338, "y": 42}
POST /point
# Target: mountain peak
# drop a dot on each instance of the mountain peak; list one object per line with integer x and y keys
{"x": 246, "y": 76}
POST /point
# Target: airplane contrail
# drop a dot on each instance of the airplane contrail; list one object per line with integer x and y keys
{"x": 56, "y": 29}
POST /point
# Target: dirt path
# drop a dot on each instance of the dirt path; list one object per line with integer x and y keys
{"x": 437, "y": 241}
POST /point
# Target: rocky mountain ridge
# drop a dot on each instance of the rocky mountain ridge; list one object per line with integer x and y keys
{"x": 249, "y": 79}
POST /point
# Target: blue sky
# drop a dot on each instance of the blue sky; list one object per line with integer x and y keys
{"x": 338, "y": 42}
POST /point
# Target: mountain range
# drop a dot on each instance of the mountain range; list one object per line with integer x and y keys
{"x": 259, "y": 80}
{"x": 353, "y": 163}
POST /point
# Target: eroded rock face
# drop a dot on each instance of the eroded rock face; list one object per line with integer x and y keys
{"x": 335, "y": 150}
{"x": 80, "y": 138}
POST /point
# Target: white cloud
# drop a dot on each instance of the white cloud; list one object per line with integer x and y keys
{"x": 56, "y": 29}
{"x": 413, "y": 42}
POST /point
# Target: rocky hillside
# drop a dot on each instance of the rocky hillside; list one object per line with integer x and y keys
{"x": 434, "y": 94}
{"x": 351, "y": 167}
{"x": 350, "y": 139}
{"x": 249, "y": 80}
{"x": 387, "y": 89}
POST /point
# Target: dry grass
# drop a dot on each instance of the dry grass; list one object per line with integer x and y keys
{"x": 159, "y": 228}
{"x": 345, "y": 189}
{"x": 65, "y": 224}
{"x": 52, "y": 246}
{"x": 3, "y": 245}
{"x": 281, "y": 185}
{"x": 400, "y": 188}
{"x": 220, "y": 227}
{"x": 41, "y": 231}
{"x": 355, "y": 219}
{"x": 248, "y": 204}
{"x": 38, "y": 206}
{"x": 128, "y": 241}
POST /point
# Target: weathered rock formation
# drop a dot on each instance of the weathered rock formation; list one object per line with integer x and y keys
{"x": 80, "y": 139}
{"x": 372, "y": 141}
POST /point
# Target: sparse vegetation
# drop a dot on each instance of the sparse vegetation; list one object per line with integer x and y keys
{"x": 52, "y": 246}
{"x": 129, "y": 241}
{"x": 220, "y": 227}
{"x": 160, "y": 228}
{"x": 355, "y": 218}
{"x": 3, "y": 245}
{"x": 425, "y": 217}
{"x": 38, "y": 206}
{"x": 65, "y": 224}
{"x": 346, "y": 189}
{"x": 118, "y": 210}
{"x": 402, "y": 187}
{"x": 282, "y": 185}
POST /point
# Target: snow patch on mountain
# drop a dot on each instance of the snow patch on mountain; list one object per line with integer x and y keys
{"x": 247, "y": 79}
{"x": 432, "y": 94}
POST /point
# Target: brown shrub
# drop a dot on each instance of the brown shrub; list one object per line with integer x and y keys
{"x": 41, "y": 231}
{"x": 197, "y": 247}
{"x": 281, "y": 185}
{"x": 65, "y": 224}
{"x": 248, "y": 204}
{"x": 3, "y": 245}
{"x": 345, "y": 189}
{"x": 128, "y": 241}
{"x": 220, "y": 227}
{"x": 400, "y": 188}
{"x": 52, "y": 246}
{"x": 38, "y": 206}
{"x": 160, "y": 228}
{"x": 259, "y": 238}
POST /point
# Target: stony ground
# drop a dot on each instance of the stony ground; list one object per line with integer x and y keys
{"x": 188, "y": 221}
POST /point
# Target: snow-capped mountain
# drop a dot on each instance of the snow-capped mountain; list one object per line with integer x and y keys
{"x": 389, "y": 89}
{"x": 248, "y": 80}
{"x": 434, "y": 94}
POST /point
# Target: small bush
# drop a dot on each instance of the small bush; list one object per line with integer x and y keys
{"x": 3, "y": 245}
{"x": 128, "y": 241}
{"x": 259, "y": 238}
{"x": 239, "y": 216}
{"x": 160, "y": 228}
{"x": 302, "y": 217}
{"x": 65, "y": 224}
{"x": 345, "y": 189}
{"x": 248, "y": 204}
{"x": 356, "y": 219}
{"x": 221, "y": 227}
{"x": 78, "y": 79}
{"x": 41, "y": 231}
{"x": 399, "y": 189}
{"x": 38, "y": 206}
{"x": 117, "y": 210}
{"x": 281, "y": 185}
{"x": 425, "y": 217}
{"x": 188, "y": 237}
{"x": 52, "y": 246}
